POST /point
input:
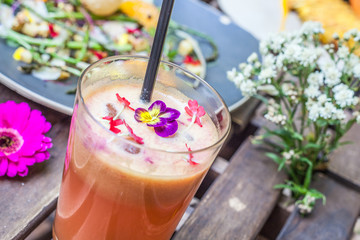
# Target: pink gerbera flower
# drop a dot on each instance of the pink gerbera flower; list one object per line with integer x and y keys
{"x": 22, "y": 140}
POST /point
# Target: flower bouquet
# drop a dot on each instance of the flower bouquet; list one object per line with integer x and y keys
{"x": 309, "y": 90}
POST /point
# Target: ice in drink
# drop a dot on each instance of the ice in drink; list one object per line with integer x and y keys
{"x": 116, "y": 186}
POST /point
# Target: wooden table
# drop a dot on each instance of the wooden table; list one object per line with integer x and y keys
{"x": 236, "y": 200}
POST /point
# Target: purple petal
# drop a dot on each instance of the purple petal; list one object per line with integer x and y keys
{"x": 167, "y": 130}
{"x": 170, "y": 114}
{"x": 158, "y": 105}
{"x": 140, "y": 113}
{"x": 158, "y": 123}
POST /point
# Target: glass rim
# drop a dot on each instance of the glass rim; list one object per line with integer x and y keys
{"x": 142, "y": 146}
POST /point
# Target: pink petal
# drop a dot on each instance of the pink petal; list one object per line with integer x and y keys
{"x": 29, "y": 161}
{"x": 200, "y": 111}
{"x": 13, "y": 157}
{"x": 40, "y": 157}
{"x": 3, "y": 165}
{"x": 193, "y": 104}
{"x": 22, "y": 170}
{"x": 47, "y": 127}
{"x": 12, "y": 169}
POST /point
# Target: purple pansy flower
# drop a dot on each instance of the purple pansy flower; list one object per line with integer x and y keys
{"x": 160, "y": 117}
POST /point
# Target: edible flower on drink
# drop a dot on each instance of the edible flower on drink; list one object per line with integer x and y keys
{"x": 160, "y": 117}
{"x": 114, "y": 123}
{"x": 124, "y": 101}
{"x": 136, "y": 138}
{"x": 191, "y": 156}
{"x": 195, "y": 111}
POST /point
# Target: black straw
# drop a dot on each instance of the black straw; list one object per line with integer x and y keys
{"x": 155, "y": 54}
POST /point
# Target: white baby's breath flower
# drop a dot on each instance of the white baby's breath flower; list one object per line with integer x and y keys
{"x": 231, "y": 74}
{"x": 335, "y": 36}
{"x": 268, "y": 61}
{"x": 339, "y": 114}
{"x": 248, "y": 88}
{"x": 356, "y": 70}
{"x": 247, "y": 70}
{"x": 252, "y": 58}
{"x": 280, "y": 61}
{"x": 355, "y": 100}
{"x": 314, "y": 111}
{"x": 322, "y": 99}
{"x": 312, "y": 91}
{"x": 238, "y": 79}
{"x": 266, "y": 74}
{"x": 242, "y": 66}
{"x": 310, "y": 27}
{"x": 316, "y": 79}
{"x": 327, "y": 110}
{"x": 357, "y": 115}
{"x": 257, "y": 64}
{"x": 332, "y": 76}
{"x": 343, "y": 52}
{"x": 288, "y": 155}
{"x": 307, "y": 56}
{"x": 343, "y": 95}
{"x": 292, "y": 52}
{"x": 264, "y": 47}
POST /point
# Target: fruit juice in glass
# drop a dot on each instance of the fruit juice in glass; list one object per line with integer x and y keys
{"x": 121, "y": 180}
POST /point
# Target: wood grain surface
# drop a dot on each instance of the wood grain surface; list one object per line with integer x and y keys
{"x": 333, "y": 221}
{"x": 345, "y": 161}
{"x": 26, "y": 201}
{"x": 240, "y": 200}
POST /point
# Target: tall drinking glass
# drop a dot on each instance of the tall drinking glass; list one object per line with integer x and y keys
{"x": 121, "y": 179}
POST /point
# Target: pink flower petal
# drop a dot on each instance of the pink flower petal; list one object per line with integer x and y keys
{"x": 12, "y": 169}
{"x": 22, "y": 170}
{"x": 30, "y": 125}
{"x": 3, "y": 166}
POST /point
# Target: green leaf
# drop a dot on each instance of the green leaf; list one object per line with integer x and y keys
{"x": 312, "y": 146}
{"x": 261, "y": 98}
{"x": 282, "y": 164}
{"x": 274, "y": 157}
{"x": 321, "y": 122}
{"x": 317, "y": 195}
{"x": 345, "y": 143}
{"x": 297, "y": 135}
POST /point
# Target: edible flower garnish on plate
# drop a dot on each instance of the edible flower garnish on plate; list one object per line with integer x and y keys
{"x": 160, "y": 117}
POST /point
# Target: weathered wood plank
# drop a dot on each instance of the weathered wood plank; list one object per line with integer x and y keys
{"x": 26, "y": 201}
{"x": 345, "y": 161}
{"x": 333, "y": 221}
{"x": 240, "y": 200}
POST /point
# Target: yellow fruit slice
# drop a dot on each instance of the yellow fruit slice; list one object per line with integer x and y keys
{"x": 145, "y": 13}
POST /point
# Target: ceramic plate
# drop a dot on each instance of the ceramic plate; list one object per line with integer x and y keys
{"x": 234, "y": 44}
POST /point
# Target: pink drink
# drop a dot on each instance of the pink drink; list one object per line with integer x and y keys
{"x": 114, "y": 188}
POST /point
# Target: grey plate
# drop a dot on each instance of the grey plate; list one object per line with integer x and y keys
{"x": 234, "y": 43}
